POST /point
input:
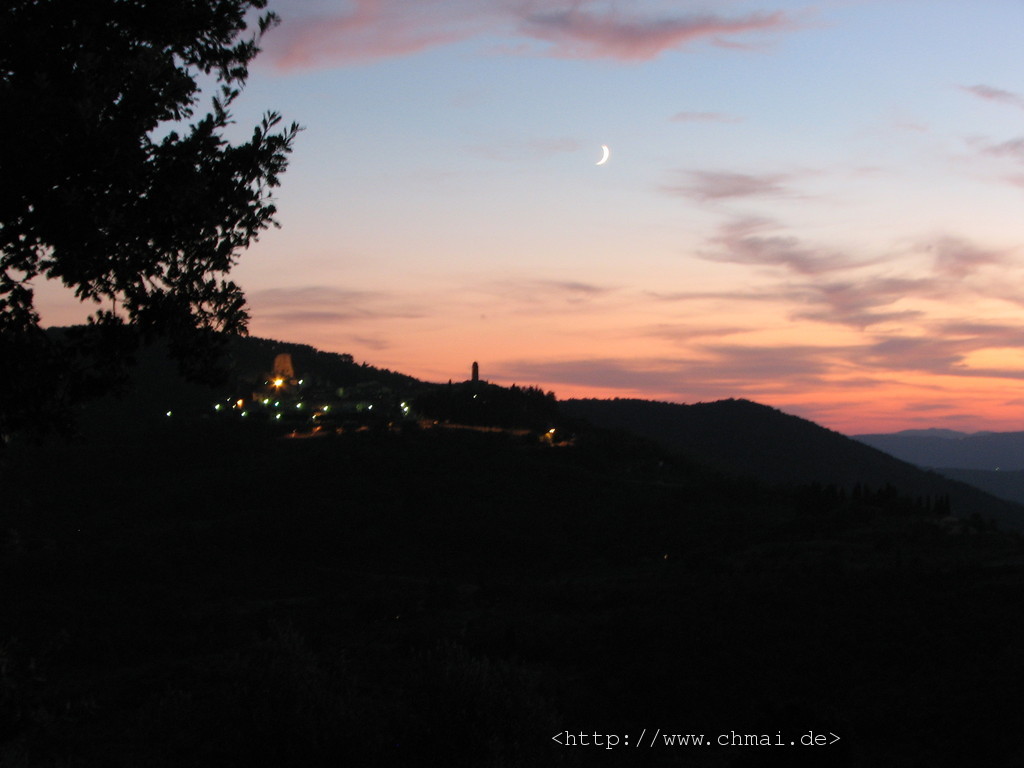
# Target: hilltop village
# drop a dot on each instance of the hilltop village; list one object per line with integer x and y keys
{"x": 283, "y": 396}
{"x": 315, "y": 405}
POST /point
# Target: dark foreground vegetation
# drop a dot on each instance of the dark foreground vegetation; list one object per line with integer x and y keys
{"x": 215, "y": 595}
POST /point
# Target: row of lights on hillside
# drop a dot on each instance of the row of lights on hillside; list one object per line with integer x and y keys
{"x": 240, "y": 403}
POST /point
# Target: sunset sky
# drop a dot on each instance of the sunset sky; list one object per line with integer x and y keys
{"x": 813, "y": 205}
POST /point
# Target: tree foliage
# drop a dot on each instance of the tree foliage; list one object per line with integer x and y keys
{"x": 112, "y": 184}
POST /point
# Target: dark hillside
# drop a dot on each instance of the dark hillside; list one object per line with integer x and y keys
{"x": 155, "y": 385}
{"x": 1005, "y": 485}
{"x": 735, "y": 437}
{"x": 252, "y": 356}
{"x": 217, "y": 596}
{"x": 743, "y": 438}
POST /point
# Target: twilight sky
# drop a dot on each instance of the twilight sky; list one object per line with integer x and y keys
{"x": 815, "y": 205}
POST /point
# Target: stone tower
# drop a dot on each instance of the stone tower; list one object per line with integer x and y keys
{"x": 283, "y": 368}
{"x": 476, "y": 373}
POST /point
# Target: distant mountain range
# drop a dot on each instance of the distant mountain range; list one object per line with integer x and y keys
{"x": 992, "y": 451}
{"x": 992, "y": 461}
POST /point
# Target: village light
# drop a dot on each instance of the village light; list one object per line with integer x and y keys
{"x": 278, "y": 382}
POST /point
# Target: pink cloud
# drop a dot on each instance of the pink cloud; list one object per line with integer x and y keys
{"x": 1013, "y": 149}
{"x": 858, "y": 303}
{"x": 929, "y": 354}
{"x": 830, "y": 285}
{"x": 370, "y": 29}
{"x": 742, "y": 242}
{"x": 577, "y": 33}
{"x": 718, "y": 371}
{"x": 989, "y": 93}
{"x": 956, "y": 258}
{"x": 322, "y": 304}
{"x": 551, "y": 295}
{"x": 715, "y": 185}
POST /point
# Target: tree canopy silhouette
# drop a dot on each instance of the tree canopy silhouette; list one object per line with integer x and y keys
{"x": 113, "y": 185}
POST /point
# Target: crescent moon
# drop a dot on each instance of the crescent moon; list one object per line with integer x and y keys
{"x": 606, "y": 153}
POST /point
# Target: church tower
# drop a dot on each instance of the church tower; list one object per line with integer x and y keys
{"x": 476, "y": 373}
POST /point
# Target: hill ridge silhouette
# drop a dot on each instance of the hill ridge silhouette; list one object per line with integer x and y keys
{"x": 735, "y": 437}
{"x": 743, "y": 438}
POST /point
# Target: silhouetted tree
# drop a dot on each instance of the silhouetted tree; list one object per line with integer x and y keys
{"x": 109, "y": 186}
{"x": 490, "y": 405}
